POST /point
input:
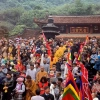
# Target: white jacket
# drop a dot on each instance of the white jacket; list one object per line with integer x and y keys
{"x": 52, "y": 90}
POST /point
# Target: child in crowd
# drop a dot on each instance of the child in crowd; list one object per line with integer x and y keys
{"x": 20, "y": 87}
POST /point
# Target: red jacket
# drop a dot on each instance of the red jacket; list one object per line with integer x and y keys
{"x": 42, "y": 86}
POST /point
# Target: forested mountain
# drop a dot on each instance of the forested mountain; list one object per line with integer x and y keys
{"x": 30, "y": 4}
{"x": 18, "y": 14}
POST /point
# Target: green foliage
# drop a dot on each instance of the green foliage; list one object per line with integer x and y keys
{"x": 79, "y": 8}
{"x": 6, "y": 24}
{"x": 19, "y": 14}
{"x": 12, "y": 15}
{"x": 26, "y": 19}
{"x": 18, "y": 29}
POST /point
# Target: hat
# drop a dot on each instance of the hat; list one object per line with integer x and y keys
{"x": 3, "y": 64}
{"x": 20, "y": 79}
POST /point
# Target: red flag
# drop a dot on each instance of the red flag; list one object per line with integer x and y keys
{"x": 48, "y": 49}
{"x": 83, "y": 69}
{"x": 89, "y": 94}
{"x": 69, "y": 97}
{"x": 72, "y": 79}
{"x": 33, "y": 50}
{"x": 85, "y": 84}
{"x": 47, "y": 45}
{"x": 85, "y": 88}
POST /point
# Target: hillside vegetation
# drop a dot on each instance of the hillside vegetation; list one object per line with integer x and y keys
{"x": 18, "y": 14}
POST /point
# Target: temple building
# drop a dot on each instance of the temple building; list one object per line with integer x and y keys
{"x": 50, "y": 30}
{"x": 74, "y": 24}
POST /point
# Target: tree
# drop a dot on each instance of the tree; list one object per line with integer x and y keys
{"x": 26, "y": 19}
{"x": 12, "y": 15}
{"x": 77, "y": 8}
{"x": 18, "y": 29}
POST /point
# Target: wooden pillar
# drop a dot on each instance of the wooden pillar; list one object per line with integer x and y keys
{"x": 91, "y": 29}
{"x": 67, "y": 29}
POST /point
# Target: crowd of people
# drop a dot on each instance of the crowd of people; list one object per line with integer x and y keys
{"x": 30, "y": 68}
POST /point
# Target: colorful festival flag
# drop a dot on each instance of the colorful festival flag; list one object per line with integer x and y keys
{"x": 71, "y": 91}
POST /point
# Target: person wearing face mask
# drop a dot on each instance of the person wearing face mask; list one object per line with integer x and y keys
{"x": 10, "y": 83}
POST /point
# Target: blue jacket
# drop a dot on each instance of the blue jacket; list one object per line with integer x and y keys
{"x": 93, "y": 58}
{"x": 97, "y": 65}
